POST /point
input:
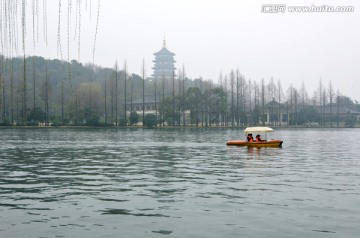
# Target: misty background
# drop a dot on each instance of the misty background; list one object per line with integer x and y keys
{"x": 210, "y": 37}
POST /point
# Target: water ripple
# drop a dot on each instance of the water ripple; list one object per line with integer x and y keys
{"x": 181, "y": 183}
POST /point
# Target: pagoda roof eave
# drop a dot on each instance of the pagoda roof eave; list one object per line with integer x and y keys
{"x": 164, "y": 51}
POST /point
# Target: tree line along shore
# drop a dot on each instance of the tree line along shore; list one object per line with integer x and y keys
{"x": 39, "y": 92}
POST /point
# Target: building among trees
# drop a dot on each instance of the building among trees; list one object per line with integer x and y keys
{"x": 163, "y": 78}
{"x": 104, "y": 96}
{"x": 331, "y": 114}
{"x": 275, "y": 114}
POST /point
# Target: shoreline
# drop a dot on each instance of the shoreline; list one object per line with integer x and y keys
{"x": 169, "y": 127}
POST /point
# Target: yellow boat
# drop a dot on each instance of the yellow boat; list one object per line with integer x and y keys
{"x": 260, "y": 142}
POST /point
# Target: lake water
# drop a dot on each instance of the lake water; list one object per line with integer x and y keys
{"x": 178, "y": 183}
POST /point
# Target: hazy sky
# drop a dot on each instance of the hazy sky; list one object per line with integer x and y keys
{"x": 213, "y": 36}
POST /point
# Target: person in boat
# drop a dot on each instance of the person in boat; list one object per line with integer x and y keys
{"x": 258, "y": 139}
{"x": 250, "y": 138}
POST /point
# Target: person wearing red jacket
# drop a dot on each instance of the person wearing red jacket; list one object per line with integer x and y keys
{"x": 250, "y": 138}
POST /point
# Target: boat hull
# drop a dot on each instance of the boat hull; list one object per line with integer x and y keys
{"x": 269, "y": 143}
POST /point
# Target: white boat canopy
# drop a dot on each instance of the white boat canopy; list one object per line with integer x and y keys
{"x": 257, "y": 129}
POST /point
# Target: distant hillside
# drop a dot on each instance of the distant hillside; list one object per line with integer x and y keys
{"x": 58, "y": 92}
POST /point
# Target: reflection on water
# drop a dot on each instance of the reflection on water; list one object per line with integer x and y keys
{"x": 177, "y": 183}
{"x": 263, "y": 152}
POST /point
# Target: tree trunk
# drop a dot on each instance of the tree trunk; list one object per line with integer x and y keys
{"x": 143, "y": 92}
{"x": 116, "y": 94}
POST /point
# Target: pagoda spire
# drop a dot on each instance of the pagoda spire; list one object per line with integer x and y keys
{"x": 164, "y": 42}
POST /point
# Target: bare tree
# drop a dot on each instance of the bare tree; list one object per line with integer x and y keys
{"x": 226, "y": 117}
{"x": 12, "y": 92}
{"x": 34, "y": 104}
{"x": 222, "y": 86}
{"x": 320, "y": 90}
{"x": 256, "y": 112}
{"x": 155, "y": 102}
{"x": 250, "y": 102}
{"x": 290, "y": 114}
{"x": 112, "y": 96}
{"x": 125, "y": 90}
{"x": 279, "y": 98}
{"x": 179, "y": 97}
{"x": 2, "y": 85}
{"x": 46, "y": 96}
{"x": 237, "y": 98}
{"x": 243, "y": 98}
{"x": 90, "y": 97}
{"x": 263, "y": 101}
{"x": 183, "y": 93}
{"x": 163, "y": 98}
{"x": 116, "y": 93}
{"x": 143, "y": 91}
{"x": 24, "y": 92}
{"x": 173, "y": 98}
{"x": 208, "y": 118}
{"x": 295, "y": 95}
{"x": 62, "y": 102}
{"x": 131, "y": 94}
{"x": 271, "y": 88}
{"x": 338, "y": 108}
{"x": 292, "y": 110}
{"x": 232, "y": 107}
{"x": 303, "y": 96}
{"x": 331, "y": 97}
{"x": 324, "y": 98}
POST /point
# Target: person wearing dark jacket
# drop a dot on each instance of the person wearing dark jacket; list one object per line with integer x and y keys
{"x": 258, "y": 138}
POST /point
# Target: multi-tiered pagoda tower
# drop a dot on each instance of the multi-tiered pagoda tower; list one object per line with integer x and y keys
{"x": 164, "y": 67}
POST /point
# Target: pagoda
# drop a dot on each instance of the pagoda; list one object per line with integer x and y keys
{"x": 164, "y": 63}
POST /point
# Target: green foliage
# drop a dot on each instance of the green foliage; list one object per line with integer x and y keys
{"x": 350, "y": 120}
{"x": 217, "y": 104}
{"x": 83, "y": 97}
{"x": 170, "y": 116}
{"x": 170, "y": 119}
{"x": 308, "y": 114}
{"x": 193, "y": 103}
{"x": 5, "y": 123}
{"x": 134, "y": 118}
{"x": 56, "y": 121}
{"x": 122, "y": 122}
{"x": 89, "y": 117}
{"x": 256, "y": 115}
{"x": 346, "y": 101}
{"x": 93, "y": 120}
{"x": 150, "y": 120}
{"x": 21, "y": 124}
{"x": 32, "y": 123}
{"x": 36, "y": 115}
